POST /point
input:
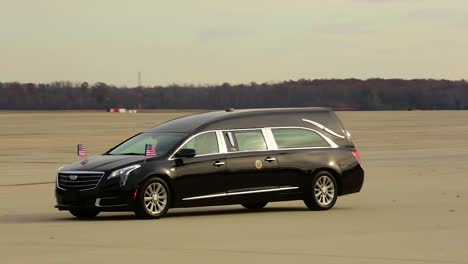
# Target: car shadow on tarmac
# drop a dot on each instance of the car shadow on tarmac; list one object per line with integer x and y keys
{"x": 125, "y": 216}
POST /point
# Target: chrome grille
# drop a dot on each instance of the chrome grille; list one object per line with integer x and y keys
{"x": 79, "y": 180}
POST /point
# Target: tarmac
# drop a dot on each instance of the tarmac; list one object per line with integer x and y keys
{"x": 413, "y": 207}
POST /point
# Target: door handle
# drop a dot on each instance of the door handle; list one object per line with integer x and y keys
{"x": 270, "y": 159}
{"x": 219, "y": 163}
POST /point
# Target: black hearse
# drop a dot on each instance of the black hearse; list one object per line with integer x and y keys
{"x": 248, "y": 157}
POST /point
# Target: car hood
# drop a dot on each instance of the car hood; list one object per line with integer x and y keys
{"x": 104, "y": 163}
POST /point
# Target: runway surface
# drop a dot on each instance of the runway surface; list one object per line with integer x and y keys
{"x": 413, "y": 207}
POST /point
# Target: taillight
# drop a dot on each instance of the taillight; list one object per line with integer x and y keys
{"x": 357, "y": 156}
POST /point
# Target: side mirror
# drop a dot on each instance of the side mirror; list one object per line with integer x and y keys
{"x": 186, "y": 153}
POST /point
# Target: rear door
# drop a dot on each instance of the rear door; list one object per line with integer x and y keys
{"x": 299, "y": 150}
{"x": 251, "y": 165}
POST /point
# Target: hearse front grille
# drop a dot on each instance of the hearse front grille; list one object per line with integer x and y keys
{"x": 79, "y": 181}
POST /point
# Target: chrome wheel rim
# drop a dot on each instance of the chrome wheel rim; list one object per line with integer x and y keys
{"x": 155, "y": 198}
{"x": 324, "y": 190}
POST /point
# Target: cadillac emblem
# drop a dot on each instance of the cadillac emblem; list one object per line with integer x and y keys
{"x": 73, "y": 177}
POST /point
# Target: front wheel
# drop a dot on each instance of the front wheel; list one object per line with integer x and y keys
{"x": 255, "y": 206}
{"x": 322, "y": 193}
{"x": 84, "y": 212}
{"x": 153, "y": 200}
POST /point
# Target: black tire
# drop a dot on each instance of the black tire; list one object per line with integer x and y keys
{"x": 255, "y": 206}
{"x": 84, "y": 212}
{"x": 317, "y": 198}
{"x": 161, "y": 205}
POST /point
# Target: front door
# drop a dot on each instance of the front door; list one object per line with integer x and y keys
{"x": 202, "y": 175}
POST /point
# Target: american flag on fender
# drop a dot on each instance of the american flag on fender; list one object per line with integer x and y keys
{"x": 149, "y": 150}
{"x": 81, "y": 150}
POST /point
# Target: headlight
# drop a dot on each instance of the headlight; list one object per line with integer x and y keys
{"x": 123, "y": 173}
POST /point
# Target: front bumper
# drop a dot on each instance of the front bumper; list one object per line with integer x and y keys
{"x": 107, "y": 196}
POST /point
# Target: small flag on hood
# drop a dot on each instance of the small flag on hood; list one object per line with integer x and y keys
{"x": 81, "y": 150}
{"x": 149, "y": 150}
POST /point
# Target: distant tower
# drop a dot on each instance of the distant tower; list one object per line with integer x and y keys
{"x": 139, "y": 79}
{"x": 140, "y": 92}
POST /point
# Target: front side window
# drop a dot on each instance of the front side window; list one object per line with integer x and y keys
{"x": 245, "y": 140}
{"x": 163, "y": 142}
{"x": 297, "y": 138}
{"x": 203, "y": 144}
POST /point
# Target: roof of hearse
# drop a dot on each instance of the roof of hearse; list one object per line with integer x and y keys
{"x": 246, "y": 118}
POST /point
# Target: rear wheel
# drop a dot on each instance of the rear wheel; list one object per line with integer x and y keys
{"x": 84, "y": 212}
{"x": 322, "y": 193}
{"x": 255, "y": 206}
{"x": 153, "y": 199}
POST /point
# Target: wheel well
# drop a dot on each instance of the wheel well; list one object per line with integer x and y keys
{"x": 168, "y": 180}
{"x": 335, "y": 174}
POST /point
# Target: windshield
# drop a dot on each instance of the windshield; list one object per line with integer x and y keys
{"x": 163, "y": 142}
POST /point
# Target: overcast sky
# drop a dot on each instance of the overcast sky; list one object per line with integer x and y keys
{"x": 204, "y": 41}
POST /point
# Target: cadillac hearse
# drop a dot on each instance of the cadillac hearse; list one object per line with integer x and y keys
{"x": 249, "y": 157}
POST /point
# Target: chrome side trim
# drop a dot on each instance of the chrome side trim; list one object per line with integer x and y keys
{"x": 81, "y": 172}
{"x": 270, "y": 141}
{"x": 229, "y": 136}
{"x": 57, "y": 183}
{"x": 238, "y": 193}
{"x": 221, "y": 142}
{"x": 242, "y": 129}
{"x": 271, "y": 138}
{"x": 244, "y": 151}
{"x": 324, "y": 128}
{"x": 304, "y": 148}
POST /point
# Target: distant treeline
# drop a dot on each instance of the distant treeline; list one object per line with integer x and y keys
{"x": 371, "y": 94}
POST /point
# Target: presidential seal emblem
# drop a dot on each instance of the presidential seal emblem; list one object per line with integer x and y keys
{"x": 258, "y": 164}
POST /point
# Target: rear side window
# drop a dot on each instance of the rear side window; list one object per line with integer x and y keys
{"x": 205, "y": 143}
{"x": 297, "y": 138}
{"x": 245, "y": 140}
